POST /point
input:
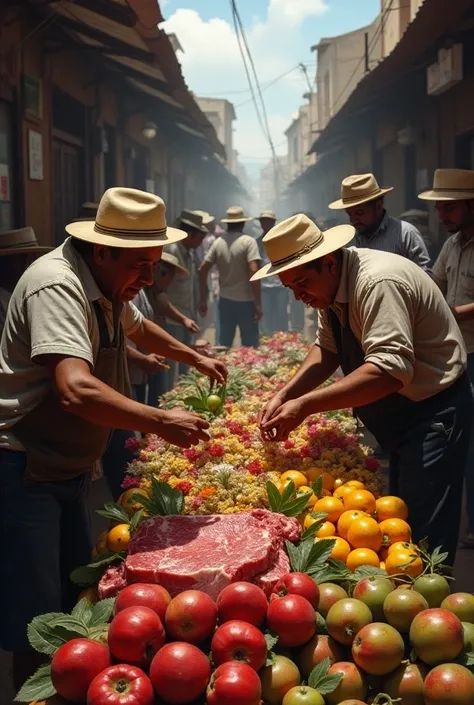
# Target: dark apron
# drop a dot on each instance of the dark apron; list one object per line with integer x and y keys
{"x": 60, "y": 445}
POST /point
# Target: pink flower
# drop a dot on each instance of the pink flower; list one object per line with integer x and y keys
{"x": 372, "y": 463}
{"x": 130, "y": 482}
{"x": 191, "y": 454}
{"x": 196, "y": 503}
{"x": 133, "y": 444}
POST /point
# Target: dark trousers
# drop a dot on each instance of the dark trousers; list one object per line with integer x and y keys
{"x": 156, "y": 387}
{"x": 275, "y": 301}
{"x": 177, "y": 368}
{"x": 115, "y": 461}
{"x": 238, "y": 314}
{"x": 469, "y": 470}
{"x": 427, "y": 469}
{"x": 45, "y": 534}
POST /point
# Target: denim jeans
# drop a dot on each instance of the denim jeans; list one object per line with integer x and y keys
{"x": 45, "y": 534}
{"x": 469, "y": 470}
{"x": 115, "y": 461}
{"x": 275, "y": 309}
{"x": 238, "y": 314}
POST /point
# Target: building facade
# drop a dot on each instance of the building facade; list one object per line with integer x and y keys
{"x": 221, "y": 115}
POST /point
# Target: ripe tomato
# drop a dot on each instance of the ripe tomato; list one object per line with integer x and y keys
{"x": 234, "y": 683}
{"x": 180, "y": 673}
{"x": 243, "y": 601}
{"x": 239, "y": 641}
{"x": 298, "y": 584}
{"x": 191, "y": 616}
{"x": 293, "y": 619}
{"x": 121, "y": 685}
{"x": 135, "y": 635}
{"x": 145, "y": 595}
{"x": 75, "y": 665}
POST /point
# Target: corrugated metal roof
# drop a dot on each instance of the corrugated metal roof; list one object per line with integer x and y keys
{"x": 154, "y": 92}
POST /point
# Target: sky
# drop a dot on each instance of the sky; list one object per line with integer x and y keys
{"x": 280, "y": 35}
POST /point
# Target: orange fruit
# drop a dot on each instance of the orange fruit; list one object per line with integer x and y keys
{"x": 391, "y": 508}
{"x": 125, "y": 500}
{"x": 395, "y": 530}
{"x": 382, "y": 565}
{"x": 341, "y": 549}
{"x": 328, "y": 481}
{"x": 402, "y": 546}
{"x": 356, "y": 484}
{"x": 332, "y": 506}
{"x": 118, "y": 538}
{"x": 338, "y": 482}
{"x": 327, "y": 529}
{"x": 365, "y": 533}
{"x": 360, "y": 499}
{"x": 298, "y": 478}
{"x": 346, "y": 520}
{"x": 342, "y": 492}
{"x": 313, "y": 473}
{"x": 308, "y": 520}
{"x": 307, "y": 490}
{"x": 362, "y": 556}
{"x": 326, "y": 493}
{"x": 406, "y": 562}
{"x": 101, "y": 545}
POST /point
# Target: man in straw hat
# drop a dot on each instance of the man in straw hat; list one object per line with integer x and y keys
{"x": 387, "y": 325}
{"x": 64, "y": 382}
{"x": 17, "y": 249}
{"x": 453, "y": 195}
{"x": 363, "y": 200}
{"x": 274, "y": 295}
{"x": 237, "y": 258}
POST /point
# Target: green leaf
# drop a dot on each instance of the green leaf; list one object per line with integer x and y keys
{"x": 38, "y": 687}
{"x": 294, "y": 556}
{"x": 274, "y": 497}
{"x": 195, "y": 403}
{"x": 288, "y": 492}
{"x": 41, "y": 634}
{"x": 331, "y": 572}
{"x": 222, "y": 393}
{"x": 318, "y": 673}
{"x": 272, "y": 640}
{"x": 68, "y": 623}
{"x": 135, "y": 520}
{"x": 317, "y": 486}
{"x": 102, "y": 612}
{"x": 114, "y": 512}
{"x": 82, "y": 611}
{"x": 296, "y": 506}
{"x": 319, "y": 516}
{"x": 163, "y": 500}
{"x": 329, "y": 684}
{"x": 467, "y": 658}
{"x": 367, "y": 571}
{"x": 321, "y": 550}
{"x": 311, "y": 530}
{"x": 91, "y": 574}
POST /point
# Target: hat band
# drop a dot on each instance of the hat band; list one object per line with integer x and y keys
{"x": 361, "y": 195}
{"x": 305, "y": 250}
{"x": 19, "y": 245}
{"x": 453, "y": 188}
{"x": 104, "y": 230}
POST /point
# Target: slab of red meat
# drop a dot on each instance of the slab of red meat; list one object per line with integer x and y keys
{"x": 270, "y": 577}
{"x": 207, "y": 552}
{"x": 112, "y": 581}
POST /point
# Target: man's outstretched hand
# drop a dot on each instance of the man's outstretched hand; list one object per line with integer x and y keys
{"x": 215, "y": 369}
{"x": 282, "y": 421}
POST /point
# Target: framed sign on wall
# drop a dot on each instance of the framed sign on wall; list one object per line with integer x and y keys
{"x": 35, "y": 155}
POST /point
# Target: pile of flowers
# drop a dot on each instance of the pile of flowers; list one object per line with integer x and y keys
{"x": 229, "y": 473}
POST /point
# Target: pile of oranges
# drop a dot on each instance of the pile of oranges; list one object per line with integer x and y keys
{"x": 366, "y": 530}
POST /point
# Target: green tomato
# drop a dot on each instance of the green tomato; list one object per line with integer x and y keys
{"x": 214, "y": 403}
{"x": 303, "y": 695}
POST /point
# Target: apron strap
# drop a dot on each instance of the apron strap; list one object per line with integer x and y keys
{"x": 104, "y": 336}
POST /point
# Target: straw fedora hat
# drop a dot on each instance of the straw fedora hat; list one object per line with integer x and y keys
{"x": 193, "y": 219}
{"x": 269, "y": 215}
{"x": 235, "y": 214}
{"x": 21, "y": 242}
{"x": 358, "y": 189}
{"x": 297, "y": 241}
{"x": 207, "y": 218}
{"x": 451, "y": 185}
{"x": 171, "y": 259}
{"x": 127, "y": 217}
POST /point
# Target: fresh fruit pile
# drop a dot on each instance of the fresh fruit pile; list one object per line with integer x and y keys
{"x": 307, "y": 645}
{"x": 229, "y": 474}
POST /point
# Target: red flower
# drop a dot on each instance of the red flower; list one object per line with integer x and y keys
{"x": 130, "y": 482}
{"x": 216, "y": 450}
{"x": 289, "y": 444}
{"x": 372, "y": 464}
{"x": 184, "y": 487}
{"x": 304, "y": 452}
{"x": 132, "y": 444}
{"x": 255, "y": 467}
{"x": 235, "y": 427}
{"x": 191, "y": 454}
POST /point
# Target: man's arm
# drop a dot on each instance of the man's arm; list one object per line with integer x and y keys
{"x": 149, "y": 336}
{"x": 463, "y": 313}
{"x": 257, "y": 289}
{"x": 417, "y": 251}
{"x": 147, "y": 363}
{"x": 166, "y": 308}
{"x": 203, "y": 274}
{"x": 440, "y": 274}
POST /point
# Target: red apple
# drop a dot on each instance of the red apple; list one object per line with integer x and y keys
{"x": 144, "y": 595}
{"x": 75, "y": 665}
{"x": 135, "y": 635}
{"x": 239, "y": 641}
{"x": 298, "y": 584}
{"x": 191, "y": 617}
{"x": 293, "y": 619}
{"x": 234, "y": 683}
{"x": 180, "y": 673}
{"x": 243, "y": 601}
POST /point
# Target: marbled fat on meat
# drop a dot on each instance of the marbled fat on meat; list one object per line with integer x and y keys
{"x": 207, "y": 552}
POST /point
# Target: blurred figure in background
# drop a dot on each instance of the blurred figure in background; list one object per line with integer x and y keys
{"x": 211, "y": 319}
{"x": 237, "y": 258}
{"x": 421, "y": 220}
{"x": 275, "y": 298}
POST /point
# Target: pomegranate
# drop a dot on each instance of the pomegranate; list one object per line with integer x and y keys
{"x": 243, "y": 601}
{"x": 239, "y": 641}
{"x": 346, "y": 618}
{"x": 378, "y": 649}
{"x": 278, "y": 679}
{"x": 298, "y": 584}
{"x": 436, "y": 636}
{"x": 434, "y": 589}
{"x": 145, "y": 595}
{"x": 353, "y": 684}
{"x": 407, "y": 683}
{"x": 191, "y": 616}
{"x": 180, "y": 673}
{"x": 401, "y": 607}
{"x": 450, "y": 684}
{"x": 293, "y": 619}
{"x": 75, "y": 665}
{"x": 329, "y": 594}
{"x": 461, "y": 604}
{"x": 316, "y": 650}
{"x": 372, "y": 592}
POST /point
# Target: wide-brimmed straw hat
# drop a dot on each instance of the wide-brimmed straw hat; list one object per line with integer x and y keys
{"x": 174, "y": 261}
{"x": 21, "y": 242}
{"x": 269, "y": 215}
{"x": 451, "y": 185}
{"x": 193, "y": 219}
{"x": 297, "y": 241}
{"x": 207, "y": 218}
{"x": 358, "y": 189}
{"x": 127, "y": 217}
{"x": 235, "y": 214}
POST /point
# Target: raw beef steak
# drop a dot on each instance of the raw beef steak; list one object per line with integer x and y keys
{"x": 112, "y": 581}
{"x": 207, "y": 552}
{"x": 270, "y": 577}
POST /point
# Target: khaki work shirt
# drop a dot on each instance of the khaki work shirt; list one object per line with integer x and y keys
{"x": 454, "y": 274}
{"x": 232, "y": 254}
{"x": 181, "y": 290}
{"x": 50, "y": 313}
{"x": 401, "y": 320}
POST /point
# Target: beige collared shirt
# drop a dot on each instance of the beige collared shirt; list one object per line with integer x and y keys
{"x": 454, "y": 274}
{"x": 4, "y": 300}
{"x": 181, "y": 290}
{"x": 50, "y": 313}
{"x": 401, "y": 320}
